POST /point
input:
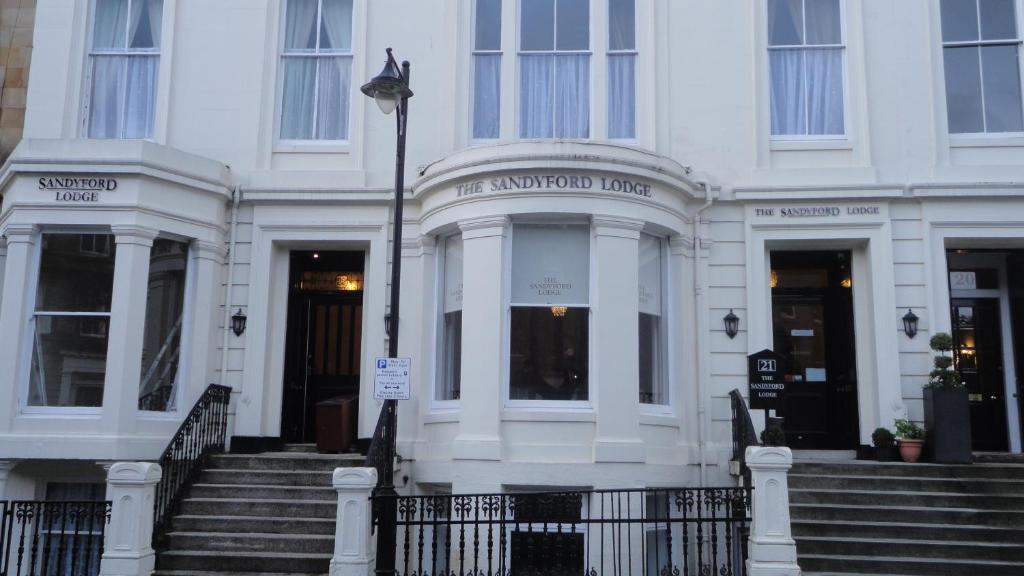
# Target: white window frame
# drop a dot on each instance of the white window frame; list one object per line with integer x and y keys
{"x": 439, "y": 352}
{"x": 664, "y": 371}
{"x": 843, "y": 45}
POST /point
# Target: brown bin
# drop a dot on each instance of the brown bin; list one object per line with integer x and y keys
{"x": 336, "y": 424}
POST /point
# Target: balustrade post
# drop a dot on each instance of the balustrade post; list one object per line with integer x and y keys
{"x": 771, "y": 550}
{"x": 353, "y": 545}
{"x": 128, "y": 549}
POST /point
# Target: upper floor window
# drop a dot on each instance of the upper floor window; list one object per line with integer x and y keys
{"x": 316, "y": 63}
{"x": 124, "y": 62}
{"x": 805, "y": 54}
{"x": 981, "y": 46}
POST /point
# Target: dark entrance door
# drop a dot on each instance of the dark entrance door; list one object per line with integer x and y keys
{"x": 812, "y": 320}
{"x": 324, "y": 338}
{"x": 978, "y": 355}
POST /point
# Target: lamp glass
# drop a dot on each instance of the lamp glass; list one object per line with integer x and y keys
{"x": 386, "y": 102}
{"x": 910, "y": 324}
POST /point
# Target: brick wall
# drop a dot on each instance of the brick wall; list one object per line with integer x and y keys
{"x": 16, "y": 20}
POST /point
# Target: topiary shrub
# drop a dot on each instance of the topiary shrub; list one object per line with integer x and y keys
{"x": 773, "y": 436}
{"x": 883, "y": 438}
{"x": 943, "y": 375}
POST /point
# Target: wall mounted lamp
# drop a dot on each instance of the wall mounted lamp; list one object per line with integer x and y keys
{"x": 238, "y": 322}
{"x": 732, "y": 324}
{"x": 910, "y": 323}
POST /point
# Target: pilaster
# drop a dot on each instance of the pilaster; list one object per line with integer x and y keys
{"x": 14, "y": 314}
{"x": 5, "y": 473}
{"x": 207, "y": 266}
{"x": 771, "y": 550}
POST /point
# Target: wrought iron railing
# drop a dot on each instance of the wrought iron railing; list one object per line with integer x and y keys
{"x": 47, "y": 538}
{"x": 203, "y": 431}
{"x": 743, "y": 434}
{"x": 661, "y": 532}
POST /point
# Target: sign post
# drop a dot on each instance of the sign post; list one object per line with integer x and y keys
{"x": 391, "y": 381}
{"x": 767, "y": 385}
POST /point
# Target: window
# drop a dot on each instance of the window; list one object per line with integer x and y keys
{"x": 316, "y": 65}
{"x": 549, "y": 521}
{"x": 554, "y": 69}
{"x": 124, "y": 64}
{"x": 653, "y": 389}
{"x": 71, "y": 321}
{"x": 981, "y": 46}
{"x": 550, "y": 312}
{"x": 165, "y": 310}
{"x": 622, "y": 55}
{"x": 487, "y": 70}
{"x": 73, "y": 529}
{"x": 805, "y": 57}
{"x": 450, "y": 386}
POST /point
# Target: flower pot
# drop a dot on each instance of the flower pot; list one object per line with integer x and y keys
{"x": 910, "y": 450}
{"x": 947, "y": 418}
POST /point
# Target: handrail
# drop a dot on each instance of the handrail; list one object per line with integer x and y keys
{"x": 743, "y": 434}
{"x": 201, "y": 432}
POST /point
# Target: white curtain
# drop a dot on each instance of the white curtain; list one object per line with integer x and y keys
{"x": 825, "y": 91}
{"x": 621, "y": 25}
{"x": 622, "y": 96}
{"x": 300, "y": 26}
{"x": 536, "y": 95}
{"x": 486, "y": 95}
{"x": 333, "y": 98}
{"x": 109, "y": 26}
{"x": 140, "y": 96}
{"x": 788, "y": 106}
{"x": 551, "y": 265}
{"x": 298, "y": 98}
{"x": 144, "y": 27}
{"x": 336, "y": 25}
{"x": 107, "y": 98}
{"x": 572, "y": 96}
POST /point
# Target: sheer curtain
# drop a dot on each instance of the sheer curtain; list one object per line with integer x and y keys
{"x": 486, "y": 95}
{"x": 788, "y": 105}
{"x": 298, "y": 99}
{"x": 825, "y": 91}
{"x": 572, "y": 96}
{"x": 336, "y": 26}
{"x": 333, "y": 98}
{"x": 622, "y": 96}
{"x": 554, "y": 96}
{"x": 536, "y": 96}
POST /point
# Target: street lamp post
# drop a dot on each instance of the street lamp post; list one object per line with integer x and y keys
{"x": 390, "y": 89}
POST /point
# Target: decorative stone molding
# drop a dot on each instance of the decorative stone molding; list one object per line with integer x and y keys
{"x": 140, "y": 235}
{"x": 5, "y": 472}
{"x": 484, "y": 227}
{"x": 617, "y": 226}
{"x": 20, "y": 233}
{"x": 128, "y": 550}
{"x": 353, "y": 544}
{"x": 208, "y": 251}
{"x": 771, "y": 550}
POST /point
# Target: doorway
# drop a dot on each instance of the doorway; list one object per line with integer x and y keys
{"x": 813, "y": 329}
{"x": 324, "y": 338}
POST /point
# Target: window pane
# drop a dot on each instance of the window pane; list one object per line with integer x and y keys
{"x": 76, "y": 273}
{"x": 825, "y": 97}
{"x": 536, "y": 96}
{"x": 144, "y": 27}
{"x": 959, "y": 20}
{"x": 486, "y": 95}
{"x": 621, "y": 25}
{"x": 548, "y": 353}
{"x": 651, "y": 387}
{"x": 336, "y": 26}
{"x": 573, "y": 25}
{"x": 107, "y": 98}
{"x": 109, "y": 25}
{"x": 622, "y": 96}
{"x": 823, "y": 22}
{"x": 998, "y": 21}
{"x": 963, "y": 90}
{"x": 550, "y": 264}
{"x": 451, "y": 362}
{"x": 572, "y": 96}
{"x": 333, "y": 91}
{"x": 488, "y": 25}
{"x": 69, "y": 360}
{"x": 788, "y": 104}
{"x": 165, "y": 309}
{"x": 140, "y": 96}
{"x": 657, "y": 561}
{"x": 1002, "y": 88}
{"x": 537, "y": 29}
{"x": 453, "y": 273}
{"x": 649, "y": 291}
{"x": 300, "y": 26}
{"x": 297, "y": 102}
{"x": 785, "y": 22}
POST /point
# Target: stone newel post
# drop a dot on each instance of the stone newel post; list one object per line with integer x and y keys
{"x": 353, "y": 545}
{"x": 771, "y": 551}
{"x": 128, "y": 549}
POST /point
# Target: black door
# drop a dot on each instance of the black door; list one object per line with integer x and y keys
{"x": 978, "y": 355}
{"x": 812, "y": 321}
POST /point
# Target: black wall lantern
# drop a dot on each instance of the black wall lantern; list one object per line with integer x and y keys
{"x": 910, "y": 323}
{"x": 732, "y": 324}
{"x": 238, "y": 323}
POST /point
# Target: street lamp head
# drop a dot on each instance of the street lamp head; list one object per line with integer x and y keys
{"x": 388, "y": 87}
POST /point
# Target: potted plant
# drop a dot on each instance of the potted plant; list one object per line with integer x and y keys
{"x": 911, "y": 438}
{"x": 947, "y": 415}
{"x": 884, "y": 443}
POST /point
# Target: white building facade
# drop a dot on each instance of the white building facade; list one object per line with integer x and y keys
{"x": 592, "y": 186}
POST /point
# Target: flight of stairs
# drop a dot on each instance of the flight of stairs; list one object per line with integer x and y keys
{"x": 869, "y": 518}
{"x": 262, "y": 514}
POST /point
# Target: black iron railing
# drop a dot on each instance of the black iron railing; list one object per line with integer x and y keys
{"x": 743, "y": 434}
{"x": 377, "y": 453}
{"x": 203, "y": 431}
{"x": 52, "y": 538}
{"x": 657, "y": 532}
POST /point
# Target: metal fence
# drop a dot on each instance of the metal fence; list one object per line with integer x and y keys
{"x": 644, "y": 532}
{"x": 42, "y": 538}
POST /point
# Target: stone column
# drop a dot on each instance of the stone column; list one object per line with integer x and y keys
{"x": 207, "y": 265}
{"x": 5, "y": 473}
{"x": 771, "y": 550}
{"x": 3, "y": 260}
{"x": 614, "y": 382}
{"x": 353, "y": 544}
{"x": 14, "y": 314}
{"x": 128, "y": 547}
{"x": 483, "y": 313}
{"x": 127, "y": 327}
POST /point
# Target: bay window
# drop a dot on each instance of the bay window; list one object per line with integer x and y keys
{"x": 981, "y": 53}
{"x": 124, "y": 62}
{"x": 316, "y": 64}
{"x": 450, "y": 375}
{"x": 165, "y": 309}
{"x": 653, "y": 389}
{"x": 550, "y": 313}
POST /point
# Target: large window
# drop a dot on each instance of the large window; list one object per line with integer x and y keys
{"x": 550, "y": 313}
{"x": 450, "y": 384}
{"x": 653, "y": 389}
{"x": 165, "y": 309}
{"x": 316, "y": 64}
{"x": 805, "y": 53}
{"x": 487, "y": 70}
{"x": 71, "y": 320}
{"x": 124, "y": 62}
{"x": 981, "y": 50}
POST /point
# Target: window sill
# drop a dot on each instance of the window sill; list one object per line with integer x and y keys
{"x": 442, "y": 416}
{"x": 38, "y": 412}
{"x": 658, "y": 418}
{"x": 841, "y": 143}
{"x": 550, "y": 413}
{"x": 1007, "y": 140}
{"x": 312, "y": 147}
{"x": 155, "y": 415}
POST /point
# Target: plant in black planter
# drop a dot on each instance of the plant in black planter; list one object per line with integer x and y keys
{"x": 773, "y": 435}
{"x": 947, "y": 414}
{"x": 884, "y": 443}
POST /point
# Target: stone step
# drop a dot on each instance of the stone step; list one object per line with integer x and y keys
{"x": 251, "y": 542}
{"x": 301, "y": 448}
{"x": 193, "y": 562}
{"x": 867, "y": 468}
{"x": 244, "y": 507}
{"x": 258, "y": 492}
{"x": 208, "y": 573}
{"x": 900, "y": 547}
{"x": 914, "y": 514}
{"x": 264, "y": 524}
{"x": 284, "y": 461}
{"x": 908, "y": 484}
{"x": 862, "y": 529}
{"x": 320, "y": 478}
{"x": 862, "y": 565}
{"x": 922, "y": 499}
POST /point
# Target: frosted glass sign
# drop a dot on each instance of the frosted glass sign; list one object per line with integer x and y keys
{"x": 453, "y": 274}
{"x": 650, "y": 275}
{"x": 550, "y": 265}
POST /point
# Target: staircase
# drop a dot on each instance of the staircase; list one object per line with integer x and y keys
{"x": 263, "y": 514}
{"x": 869, "y": 518}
